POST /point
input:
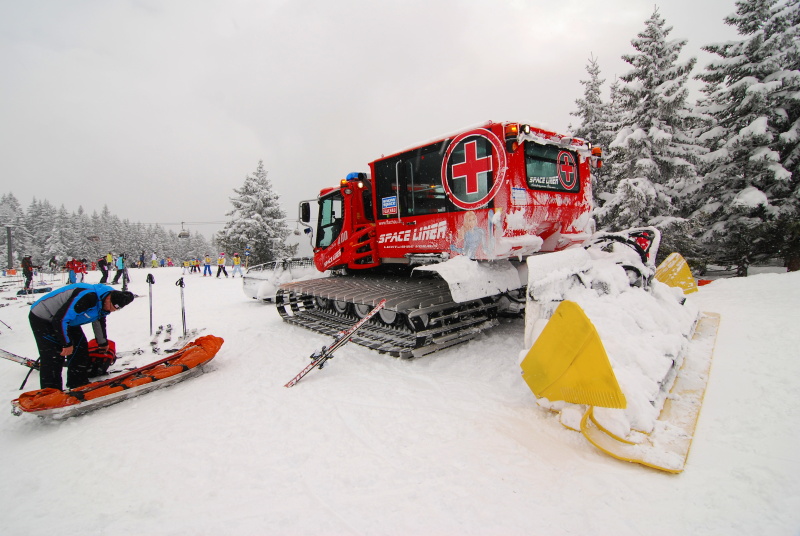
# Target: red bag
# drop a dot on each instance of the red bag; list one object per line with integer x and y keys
{"x": 100, "y": 361}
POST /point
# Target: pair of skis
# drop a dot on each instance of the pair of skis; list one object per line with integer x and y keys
{"x": 319, "y": 357}
{"x": 157, "y": 336}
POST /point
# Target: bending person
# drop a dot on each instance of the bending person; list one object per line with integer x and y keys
{"x": 56, "y": 321}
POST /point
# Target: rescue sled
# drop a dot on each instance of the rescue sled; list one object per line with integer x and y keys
{"x": 186, "y": 363}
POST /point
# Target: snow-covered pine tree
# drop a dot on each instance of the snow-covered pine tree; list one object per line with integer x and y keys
{"x": 256, "y": 220}
{"x": 750, "y": 196}
{"x": 61, "y": 241}
{"x": 594, "y": 115}
{"x": 39, "y": 222}
{"x": 652, "y": 158}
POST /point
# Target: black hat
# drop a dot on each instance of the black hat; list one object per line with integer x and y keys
{"x": 120, "y": 298}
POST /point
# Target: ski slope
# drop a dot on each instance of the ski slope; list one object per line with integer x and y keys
{"x": 450, "y": 443}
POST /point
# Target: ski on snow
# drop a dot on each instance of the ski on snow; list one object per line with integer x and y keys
{"x": 319, "y": 357}
{"x": 180, "y": 341}
{"x": 30, "y": 363}
{"x": 154, "y": 340}
{"x": 34, "y": 364}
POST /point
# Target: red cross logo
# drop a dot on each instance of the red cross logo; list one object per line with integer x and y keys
{"x": 471, "y": 167}
{"x": 567, "y": 172}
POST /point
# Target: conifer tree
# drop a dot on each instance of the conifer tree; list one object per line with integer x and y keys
{"x": 257, "y": 220}
{"x": 750, "y": 198}
{"x": 594, "y": 127}
{"x": 44, "y": 231}
{"x": 652, "y": 156}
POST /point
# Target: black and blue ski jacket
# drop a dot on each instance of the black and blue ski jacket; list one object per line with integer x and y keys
{"x": 74, "y": 305}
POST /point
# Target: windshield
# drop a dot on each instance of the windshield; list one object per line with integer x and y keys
{"x": 330, "y": 219}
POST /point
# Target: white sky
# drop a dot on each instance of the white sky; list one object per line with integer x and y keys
{"x": 160, "y": 108}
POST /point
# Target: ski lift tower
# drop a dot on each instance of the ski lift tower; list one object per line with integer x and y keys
{"x": 6, "y": 217}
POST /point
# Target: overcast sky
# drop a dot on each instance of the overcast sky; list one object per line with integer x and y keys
{"x": 159, "y": 108}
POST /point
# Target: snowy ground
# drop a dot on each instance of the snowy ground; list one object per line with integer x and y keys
{"x": 451, "y": 443}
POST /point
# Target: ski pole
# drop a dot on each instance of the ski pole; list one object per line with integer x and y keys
{"x": 150, "y": 282}
{"x": 180, "y": 283}
{"x": 6, "y": 325}
{"x": 28, "y": 375}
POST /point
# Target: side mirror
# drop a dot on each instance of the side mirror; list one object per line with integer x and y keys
{"x": 305, "y": 212}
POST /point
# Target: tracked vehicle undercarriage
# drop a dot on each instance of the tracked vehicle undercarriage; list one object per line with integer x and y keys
{"x": 420, "y": 315}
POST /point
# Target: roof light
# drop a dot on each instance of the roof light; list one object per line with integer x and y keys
{"x": 512, "y": 130}
{"x": 355, "y": 176}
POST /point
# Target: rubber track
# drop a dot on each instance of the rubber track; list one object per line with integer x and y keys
{"x": 448, "y": 323}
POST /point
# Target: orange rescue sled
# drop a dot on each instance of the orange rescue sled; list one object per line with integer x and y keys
{"x": 185, "y": 363}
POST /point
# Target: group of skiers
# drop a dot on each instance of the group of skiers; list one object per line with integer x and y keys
{"x": 155, "y": 261}
{"x": 76, "y": 269}
{"x": 191, "y": 266}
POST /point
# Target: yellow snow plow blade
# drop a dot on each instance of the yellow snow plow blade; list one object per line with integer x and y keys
{"x": 667, "y": 447}
{"x": 568, "y": 362}
{"x": 674, "y": 271}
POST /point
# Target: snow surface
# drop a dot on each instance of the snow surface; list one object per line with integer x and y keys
{"x": 450, "y": 443}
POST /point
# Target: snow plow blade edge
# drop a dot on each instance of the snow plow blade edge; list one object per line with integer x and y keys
{"x": 674, "y": 271}
{"x": 568, "y": 362}
{"x": 667, "y": 447}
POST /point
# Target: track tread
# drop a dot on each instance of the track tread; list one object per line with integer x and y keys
{"x": 449, "y": 322}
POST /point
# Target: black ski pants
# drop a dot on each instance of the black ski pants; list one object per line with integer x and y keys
{"x": 221, "y": 270}
{"x": 121, "y": 273}
{"x": 50, "y": 359}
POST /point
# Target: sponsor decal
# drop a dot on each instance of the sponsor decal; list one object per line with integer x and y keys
{"x": 519, "y": 196}
{"x": 335, "y": 249}
{"x": 473, "y": 168}
{"x": 433, "y": 231}
{"x": 327, "y": 261}
{"x": 389, "y": 205}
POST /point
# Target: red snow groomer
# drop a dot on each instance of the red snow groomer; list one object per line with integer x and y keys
{"x": 496, "y": 219}
{"x": 495, "y": 193}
